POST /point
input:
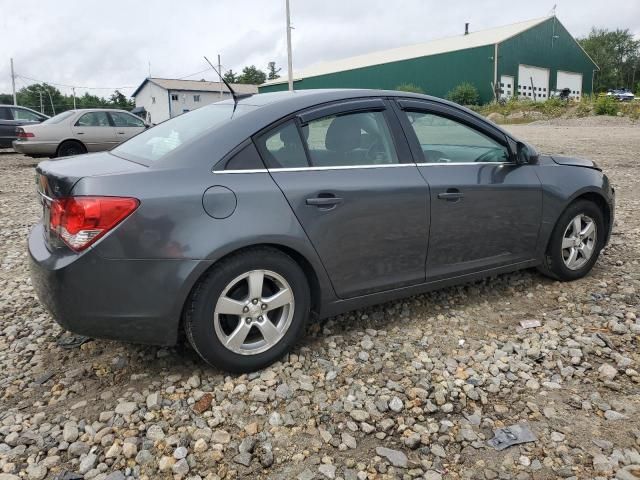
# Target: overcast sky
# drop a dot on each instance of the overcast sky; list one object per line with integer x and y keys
{"x": 91, "y": 43}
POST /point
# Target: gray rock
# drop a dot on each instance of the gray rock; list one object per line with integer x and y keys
{"x": 630, "y": 472}
{"x": 87, "y": 463}
{"x": 243, "y": 459}
{"x": 613, "y": 415}
{"x": 36, "y": 471}
{"x": 247, "y": 445}
{"x": 117, "y": 475}
{"x": 77, "y": 449}
{"x": 180, "y": 453}
{"x": 396, "y": 405}
{"x": 144, "y": 457}
{"x": 329, "y": 471}
{"x": 70, "y": 432}
{"x": 306, "y": 474}
{"x": 154, "y": 401}
{"x": 126, "y": 408}
{"x": 607, "y": 372}
{"x": 181, "y": 467}
{"x": 359, "y": 415}
{"x": 396, "y": 457}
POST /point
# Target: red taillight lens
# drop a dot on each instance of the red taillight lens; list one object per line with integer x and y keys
{"x": 22, "y": 134}
{"x": 80, "y": 221}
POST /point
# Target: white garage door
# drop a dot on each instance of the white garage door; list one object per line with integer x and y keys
{"x": 572, "y": 81}
{"x": 533, "y": 82}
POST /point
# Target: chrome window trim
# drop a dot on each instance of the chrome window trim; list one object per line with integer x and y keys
{"x": 450, "y": 164}
{"x": 359, "y": 167}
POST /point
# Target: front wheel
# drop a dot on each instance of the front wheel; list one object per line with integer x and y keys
{"x": 249, "y": 310}
{"x": 576, "y": 242}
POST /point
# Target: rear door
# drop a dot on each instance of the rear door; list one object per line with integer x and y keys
{"x": 95, "y": 131}
{"x": 486, "y": 210}
{"x": 7, "y": 127}
{"x": 126, "y": 125}
{"x": 348, "y": 175}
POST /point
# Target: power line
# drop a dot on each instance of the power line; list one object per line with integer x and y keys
{"x": 73, "y": 86}
{"x": 192, "y": 74}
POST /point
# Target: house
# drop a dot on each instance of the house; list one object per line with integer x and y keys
{"x": 158, "y": 99}
{"x": 527, "y": 59}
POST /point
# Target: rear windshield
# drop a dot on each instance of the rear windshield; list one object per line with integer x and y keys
{"x": 155, "y": 143}
{"x": 60, "y": 117}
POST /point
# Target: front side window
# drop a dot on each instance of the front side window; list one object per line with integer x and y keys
{"x": 446, "y": 141}
{"x": 360, "y": 138}
{"x": 26, "y": 115}
{"x": 174, "y": 97}
{"x": 282, "y": 147}
{"x": 93, "y": 119}
{"x": 125, "y": 120}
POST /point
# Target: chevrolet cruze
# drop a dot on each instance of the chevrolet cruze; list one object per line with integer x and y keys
{"x": 238, "y": 222}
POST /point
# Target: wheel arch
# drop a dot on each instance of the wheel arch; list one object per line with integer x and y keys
{"x": 310, "y": 272}
{"x": 593, "y": 196}
{"x": 70, "y": 139}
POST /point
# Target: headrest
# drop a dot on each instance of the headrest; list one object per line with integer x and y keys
{"x": 343, "y": 135}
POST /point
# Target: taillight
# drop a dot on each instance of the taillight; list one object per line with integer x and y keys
{"x": 22, "y": 134}
{"x": 80, "y": 221}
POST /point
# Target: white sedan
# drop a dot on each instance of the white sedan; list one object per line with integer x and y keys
{"x": 75, "y": 132}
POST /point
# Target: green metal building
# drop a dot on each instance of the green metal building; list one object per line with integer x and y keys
{"x": 528, "y": 59}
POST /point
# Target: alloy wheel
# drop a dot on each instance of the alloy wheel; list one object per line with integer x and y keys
{"x": 254, "y": 312}
{"x": 579, "y": 241}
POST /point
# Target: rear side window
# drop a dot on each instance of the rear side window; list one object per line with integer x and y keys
{"x": 5, "y": 114}
{"x": 443, "y": 140}
{"x": 282, "y": 147}
{"x": 93, "y": 119}
{"x": 360, "y": 138}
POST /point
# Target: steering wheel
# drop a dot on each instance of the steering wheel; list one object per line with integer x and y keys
{"x": 488, "y": 156}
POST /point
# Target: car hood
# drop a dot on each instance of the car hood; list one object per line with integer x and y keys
{"x": 575, "y": 162}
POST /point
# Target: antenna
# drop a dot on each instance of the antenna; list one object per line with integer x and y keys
{"x": 234, "y": 95}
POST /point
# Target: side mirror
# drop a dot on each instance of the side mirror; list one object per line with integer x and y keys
{"x": 525, "y": 154}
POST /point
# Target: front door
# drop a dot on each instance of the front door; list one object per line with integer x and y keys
{"x": 95, "y": 131}
{"x": 349, "y": 177}
{"x": 485, "y": 209}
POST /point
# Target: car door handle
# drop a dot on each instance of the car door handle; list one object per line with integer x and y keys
{"x": 451, "y": 195}
{"x": 121, "y": 133}
{"x": 324, "y": 201}
{"x": 80, "y": 133}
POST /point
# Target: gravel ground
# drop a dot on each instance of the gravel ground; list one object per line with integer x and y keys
{"x": 411, "y": 389}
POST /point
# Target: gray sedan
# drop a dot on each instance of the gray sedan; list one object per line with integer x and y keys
{"x": 77, "y": 131}
{"x": 237, "y": 223}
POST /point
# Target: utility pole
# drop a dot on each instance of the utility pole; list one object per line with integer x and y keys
{"x": 220, "y": 76}
{"x": 74, "y": 97}
{"x": 289, "y": 59}
{"x": 41, "y": 106}
{"x": 13, "y": 83}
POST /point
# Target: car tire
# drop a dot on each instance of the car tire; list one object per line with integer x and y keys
{"x": 70, "y": 148}
{"x": 217, "y": 335}
{"x": 558, "y": 261}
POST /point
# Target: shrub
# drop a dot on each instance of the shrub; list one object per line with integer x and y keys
{"x": 606, "y": 105}
{"x": 409, "y": 87}
{"x": 464, "y": 94}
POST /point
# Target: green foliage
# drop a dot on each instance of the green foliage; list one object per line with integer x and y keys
{"x": 637, "y": 90}
{"x": 273, "y": 71}
{"x": 409, "y": 87}
{"x": 617, "y": 53}
{"x": 230, "y": 76}
{"x": 464, "y": 94}
{"x": 606, "y": 105}
{"x": 31, "y": 96}
{"x": 252, "y": 75}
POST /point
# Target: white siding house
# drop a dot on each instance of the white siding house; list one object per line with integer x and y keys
{"x": 158, "y": 99}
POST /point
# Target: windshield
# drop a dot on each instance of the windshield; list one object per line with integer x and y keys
{"x": 60, "y": 117}
{"x": 158, "y": 141}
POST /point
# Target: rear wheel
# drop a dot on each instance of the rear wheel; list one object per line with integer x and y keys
{"x": 249, "y": 310}
{"x": 70, "y": 148}
{"x": 576, "y": 242}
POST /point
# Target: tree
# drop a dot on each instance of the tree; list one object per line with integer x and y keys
{"x": 252, "y": 75}
{"x": 464, "y": 94}
{"x": 617, "y": 53}
{"x": 119, "y": 100}
{"x": 409, "y": 87}
{"x": 6, "y": 99}
{"x": 230, "y": 76}
{"x": 273, "y": 72}
{"x": 29, "y": 96}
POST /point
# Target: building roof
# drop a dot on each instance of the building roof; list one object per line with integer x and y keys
{"x": 196, "y": 86}
{"x": 480, "y": 38}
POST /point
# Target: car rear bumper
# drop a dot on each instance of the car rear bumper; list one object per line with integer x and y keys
{"x": 136, "y": 301}
{"x": 34, "y": 148}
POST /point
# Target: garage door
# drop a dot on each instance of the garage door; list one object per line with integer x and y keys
{"x": 572, "y": 81}
{"x": 533, "y": 82}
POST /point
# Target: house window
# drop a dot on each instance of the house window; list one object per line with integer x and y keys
{"x": 153, "y": 99}
{"x": 174, "y": 97}
{"x": 196, "y": 98}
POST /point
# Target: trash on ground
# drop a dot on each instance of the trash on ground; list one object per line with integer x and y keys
{"x": 513, "y": 435}
{"x": 530, "y": 323}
